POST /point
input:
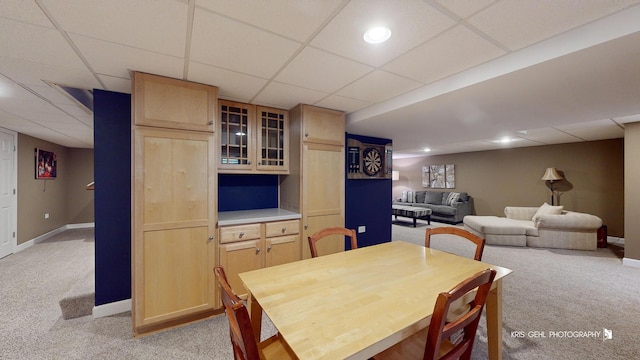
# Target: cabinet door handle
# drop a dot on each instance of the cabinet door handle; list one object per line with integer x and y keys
{"x": 306, "y": 226}
{"x": 284, "y": 229}
{"x": 241, "y": 234}
{"x": 210, "y": 237}
{"x": 257, "y": 250}
{"x": 269, "y": 248}
{"x": 210, "y": 123}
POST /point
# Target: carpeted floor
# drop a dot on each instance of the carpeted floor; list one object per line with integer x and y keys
{"x": 559, "y": 291}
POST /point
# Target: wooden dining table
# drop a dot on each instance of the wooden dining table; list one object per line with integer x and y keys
{"x": 357, "y": 303}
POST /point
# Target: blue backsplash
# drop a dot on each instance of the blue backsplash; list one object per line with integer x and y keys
{"x": 246, "y": 192}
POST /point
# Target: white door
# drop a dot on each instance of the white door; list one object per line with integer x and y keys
{"x": 7, "y": 194}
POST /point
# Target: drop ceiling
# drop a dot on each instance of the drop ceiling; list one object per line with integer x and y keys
{"x": 455, "y": 76}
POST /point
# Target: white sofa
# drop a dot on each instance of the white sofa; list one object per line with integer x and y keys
{"x": 545, "y": 226}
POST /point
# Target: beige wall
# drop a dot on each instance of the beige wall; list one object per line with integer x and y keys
{"x": 62, "y": 199}
{"x": 511, "y": 177}
{"x": 632, "y": 191}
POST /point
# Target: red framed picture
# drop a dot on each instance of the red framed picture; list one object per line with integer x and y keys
{"x": 46, "y": 164}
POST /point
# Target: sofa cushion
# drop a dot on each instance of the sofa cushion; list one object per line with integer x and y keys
{"x": 500, "y": 226}
{"x": 464, "y": 196}
{"x": 420, "y": 195}
{"x": 433, "y": 197}
{"x": 452, "y": 198}
{"x": 442, "y": 209}
{"x": 547, "y": 209}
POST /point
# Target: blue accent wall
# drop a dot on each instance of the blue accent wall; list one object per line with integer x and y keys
{"x": 112, "y": 195}
{"x": 245, "y": 192}
{"x": 368, "y": 203}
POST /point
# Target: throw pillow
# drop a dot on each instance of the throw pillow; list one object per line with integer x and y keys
{"x": 404, "y": 196}
{"x": 453, "y": 198}
{"x": 411, "y": 196}
{"x": 547, "y": 209}
{"x": 433, "y": 197}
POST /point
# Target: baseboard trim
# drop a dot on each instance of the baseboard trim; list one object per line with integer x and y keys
{"x": 631, "y": 262}
{"x": 43, "y": 237}
{"x": 113, "y": 308}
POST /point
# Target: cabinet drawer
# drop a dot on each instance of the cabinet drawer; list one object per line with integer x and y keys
{"x": 239, "y": 233}
{"x": 281, "y": 228}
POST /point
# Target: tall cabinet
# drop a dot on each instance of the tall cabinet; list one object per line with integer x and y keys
{"x": 315, "y": 186}
{"x": 174, "y": 202}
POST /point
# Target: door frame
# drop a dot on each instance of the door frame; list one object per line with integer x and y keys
{"x": 14, "y": 201}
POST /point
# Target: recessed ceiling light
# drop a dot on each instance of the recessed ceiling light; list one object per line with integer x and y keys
{"x": 426, "y": 149}
{"x": 377, "y": 35}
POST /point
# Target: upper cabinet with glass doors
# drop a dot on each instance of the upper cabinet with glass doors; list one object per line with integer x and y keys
{"x": 253, "y": 139}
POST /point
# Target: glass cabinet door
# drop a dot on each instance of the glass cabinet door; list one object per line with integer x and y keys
{"x": 273, "y": 139}
{"x": 237, "y": 151}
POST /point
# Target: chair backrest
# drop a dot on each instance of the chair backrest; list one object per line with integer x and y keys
{"x": 331, "y": 231}
{"x": 478, "y": 241}
{"x": 440, "y": 331}
{"x": 240, "y": 328}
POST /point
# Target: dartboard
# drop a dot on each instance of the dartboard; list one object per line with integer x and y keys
{"x": 372, "y": 161}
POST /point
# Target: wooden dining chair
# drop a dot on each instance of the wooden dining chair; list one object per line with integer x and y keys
{"x": 331, "y": 231}
{"x": 243, "y": 340}
{"x": 447, "y": 339}
{"x": 451, "y": 230}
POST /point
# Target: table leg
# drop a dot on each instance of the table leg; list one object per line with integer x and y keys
{"x": 494, "y": 321}
{"x": 255, "y": 312}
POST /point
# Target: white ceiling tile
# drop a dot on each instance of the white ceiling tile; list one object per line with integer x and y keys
{"x": 240, "y": 47}
{"x": 52, "y": 94}
{"x": 36, "y": 44}
{"x": 33, "y": 73}
{"x": 335, "y": 72}
{"x": 342, "y": 103}
{"x": 548, "y": 136}
{"x": 464, "y": 8}
{"x": 116, "y": 84}
{"x": 25, "y": 11}
{"x": 411, "y": 22}
{"x": 377, "y": 86}
{"x": 112, "y": 59}
{"x": 231, "y": 85}
{"x": 594, "y": 130}
{"x": 287, "y": 96}
{"x": 437, "y": 59}
{"x": 156, "y": 25}
{"x": 517, "y": 23}
{"x": 76, "y": 111}
{"x": 302, "y": 17}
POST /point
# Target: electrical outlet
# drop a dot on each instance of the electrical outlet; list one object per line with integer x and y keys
{"x": 362, "y": 229}
{"x": 46, "y": 215}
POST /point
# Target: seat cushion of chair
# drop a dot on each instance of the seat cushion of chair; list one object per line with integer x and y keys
{"x": 500, "y": 226}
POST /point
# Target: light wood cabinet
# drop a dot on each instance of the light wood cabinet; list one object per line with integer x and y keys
{"x": 174, "y": 215}
{"x": 276, "y": 243}
{"x": 253, "y": 139}
{"x": 315, "y": 186}
{"x": 172, "y": 103}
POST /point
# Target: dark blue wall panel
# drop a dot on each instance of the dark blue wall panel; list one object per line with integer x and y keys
{"x": 112, "y": 175}
{"x": 244, "y": 192}
{"x": 368, "y": 203}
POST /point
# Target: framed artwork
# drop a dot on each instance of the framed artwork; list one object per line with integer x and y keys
{"x": 450, "y": 176}
{"x": 439, "y": 176}
{"x": 46, "y": 164}
{"x": 425, "y": 177}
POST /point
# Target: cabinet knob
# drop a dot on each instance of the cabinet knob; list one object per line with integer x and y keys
{"x": 284, "y": 229}
{"x": 249, "y": 162}
{"x": 210, "y": 237}
{"x": 269, "y": 248}
{"x": 241, "y": 234}
{"x": 210, "y": 123}
{"x": 306, "y": 226}
{"x": 306, "y": 134}
{"x": 257, "y": 250}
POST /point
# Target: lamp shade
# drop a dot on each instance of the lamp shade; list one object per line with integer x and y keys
{"x": 395, "y": 175}
{"x": 551, "y": 174}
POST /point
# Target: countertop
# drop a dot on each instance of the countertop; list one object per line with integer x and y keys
{"x": 240, "y": 217}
